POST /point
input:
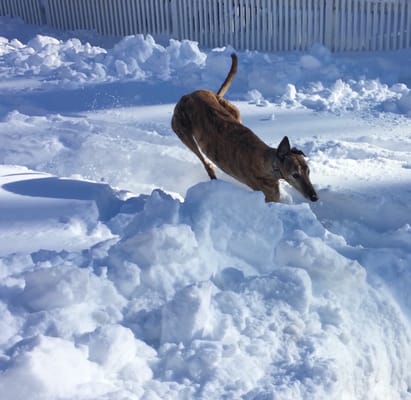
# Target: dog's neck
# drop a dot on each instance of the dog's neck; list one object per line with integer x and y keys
{"x": 277, "y": 173}
{"x": 271, "y": 160}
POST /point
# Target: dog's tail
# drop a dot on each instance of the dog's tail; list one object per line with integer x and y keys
{"x": 233, "y": 70}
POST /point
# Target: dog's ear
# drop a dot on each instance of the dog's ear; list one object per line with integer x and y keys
{"x": 283, "y": 148}
{"x": 297, "y": 151}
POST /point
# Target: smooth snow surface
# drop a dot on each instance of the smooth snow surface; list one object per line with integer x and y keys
{"x": 126, "y": 274}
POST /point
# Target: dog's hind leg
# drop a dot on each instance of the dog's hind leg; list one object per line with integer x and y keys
{"x": 188, "y": 140}
{"x": 183, "y": 131}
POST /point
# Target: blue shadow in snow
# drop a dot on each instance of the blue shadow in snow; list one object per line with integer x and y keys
{"x": 88, "y": 98}
{"x": 108, "y": 204}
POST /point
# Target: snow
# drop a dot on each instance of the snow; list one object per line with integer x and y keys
{"x": 126, "y": 274}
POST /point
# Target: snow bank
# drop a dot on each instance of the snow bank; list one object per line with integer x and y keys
{"x": 72, "y": 63}
{"x": 319, "y": 79}
{"x": 200, "y": 294}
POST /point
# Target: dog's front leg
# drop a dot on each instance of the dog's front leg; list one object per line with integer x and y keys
{"x": 271, "y": 191}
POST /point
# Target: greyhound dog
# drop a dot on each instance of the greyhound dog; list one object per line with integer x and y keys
{"x": 211, "y": 126}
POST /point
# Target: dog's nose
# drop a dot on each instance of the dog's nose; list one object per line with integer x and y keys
{"x": 314, "y": 197}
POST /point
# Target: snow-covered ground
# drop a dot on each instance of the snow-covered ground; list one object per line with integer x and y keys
{"x": 126, "y": 274}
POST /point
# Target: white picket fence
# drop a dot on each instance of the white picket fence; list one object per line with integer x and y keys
{"x": 29, "y": 10}
{"x": 111, "y": 17}
{"x": 269, "y": 25}
{"x": 369, "y": 25}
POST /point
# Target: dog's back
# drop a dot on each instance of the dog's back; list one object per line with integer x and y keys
{"x": 218, "y": 132}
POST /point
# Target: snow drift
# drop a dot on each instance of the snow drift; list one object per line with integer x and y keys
{"x": 193, "y": 293}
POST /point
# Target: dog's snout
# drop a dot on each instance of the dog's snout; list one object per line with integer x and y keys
{"x": 314, "y": 197}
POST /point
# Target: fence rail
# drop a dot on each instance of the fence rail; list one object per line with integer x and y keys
{"x": 267, "y": 25}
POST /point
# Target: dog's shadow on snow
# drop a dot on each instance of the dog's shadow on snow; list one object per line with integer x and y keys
{"x": 105, "y": 198}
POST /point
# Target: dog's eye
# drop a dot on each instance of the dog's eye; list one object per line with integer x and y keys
{"x": 296, "y": 175}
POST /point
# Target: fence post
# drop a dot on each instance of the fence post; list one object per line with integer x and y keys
{"x": 329, "y": 23}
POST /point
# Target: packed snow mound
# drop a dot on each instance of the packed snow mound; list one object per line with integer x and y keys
{"x": 221, "y": 295}
{"x": 318, "y": 80}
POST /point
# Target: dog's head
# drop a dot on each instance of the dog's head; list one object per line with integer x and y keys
{"x": 294, "y": 169}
